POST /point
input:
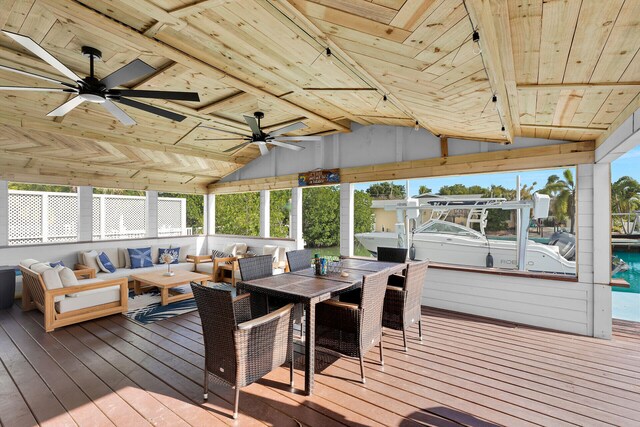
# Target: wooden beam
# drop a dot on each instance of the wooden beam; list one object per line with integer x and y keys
{"x": 55, "y": 128}
{"x": 580, "y": 86}
{"x": 305, "y": 28}
{"x": 162, "y": 45}
{"x": 476, "y": 139}
{"x": 492, "y": 19}
{"x": 75, "y": 164}
{"x": 558, "y": 155}
{"x": 630, "y": 109}
{"x": 444, "y": 147}
{"x": 558, "y": 127}
{"x": 227, "y": 103}
{"x": 196, "y": 7}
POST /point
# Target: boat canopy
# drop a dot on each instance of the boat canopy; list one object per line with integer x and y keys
{"x": 445, "y": 227}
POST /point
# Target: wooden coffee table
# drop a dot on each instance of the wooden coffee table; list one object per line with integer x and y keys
{"x": 166, "y": 283}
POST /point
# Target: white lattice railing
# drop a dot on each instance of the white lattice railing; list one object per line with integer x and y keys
{"x": 45, "y": 217}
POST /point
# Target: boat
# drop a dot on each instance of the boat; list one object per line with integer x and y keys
{"x": 449, "y": 243}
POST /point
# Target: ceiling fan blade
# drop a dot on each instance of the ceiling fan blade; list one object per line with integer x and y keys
{"x": 38, "y": 89}
{"x": 237, "y": 147}
{"x": 34, "y": 47}
{"x": 124, "y": 118}
{"x": 286, "y": 145}
{"x": 132, "y": 71}
{"x": 300, "y": 138}
{"x": 219, "y": 139}
{"x": 37, "y": 76}
{"x": 290, "y": 128}
{"x": 253, "y": 124}
{"x": 157, "y": 94}
{"x": 66, "y": 107}
{"x": 225, "y": 131}
{"x": 151, "y": 109}
{"x": 263, "y": 148}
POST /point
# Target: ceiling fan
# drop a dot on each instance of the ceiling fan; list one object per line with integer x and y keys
{"x": 261, "y": 139}
{"x": 90, "y": 89}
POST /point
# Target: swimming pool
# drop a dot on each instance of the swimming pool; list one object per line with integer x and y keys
{"x": 626, "y": 301}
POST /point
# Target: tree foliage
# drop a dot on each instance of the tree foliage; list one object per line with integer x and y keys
{"x": 423, "y": 189}
{"x": 321, "y": 215}
{"x": 563, "y": 194}
{"x": 625, "y": 197}
{"x": 280, "y": 210}
{"x": 238, "y": 214}
{"x": 386, "y": 191}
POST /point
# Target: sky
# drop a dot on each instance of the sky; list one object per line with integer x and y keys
{"x": 625, "y": 165}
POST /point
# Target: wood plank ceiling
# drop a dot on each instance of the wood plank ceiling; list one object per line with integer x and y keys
{"x": 560, "y": 70}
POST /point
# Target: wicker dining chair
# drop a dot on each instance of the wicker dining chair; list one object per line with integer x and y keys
{"x": 403, "y": 299}
{"x": 353, "y": 329}
{"x": 392, "y": 254}
{"x": 299, "y": 260}
{"x": 258, "y": 267}
{"x": 239, "y": 350}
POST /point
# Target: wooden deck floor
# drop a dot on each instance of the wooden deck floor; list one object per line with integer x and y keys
{"x": 468, "y": 371}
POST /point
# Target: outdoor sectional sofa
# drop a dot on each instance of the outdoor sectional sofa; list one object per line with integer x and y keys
{"x": 119, "y": 257}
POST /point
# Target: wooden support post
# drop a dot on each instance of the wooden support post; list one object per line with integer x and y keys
{"x": 265, "y": 211}
{"x": 4, "y": 213}
{"x": 346, "y": 219}
{"x": 444, "y": 146}
{"x": 85, "y": 213}
{"x": 151, "y": 205}
{"x": 296, "y": 217}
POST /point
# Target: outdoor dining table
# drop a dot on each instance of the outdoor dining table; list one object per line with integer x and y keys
{"x": 306, "y": 288}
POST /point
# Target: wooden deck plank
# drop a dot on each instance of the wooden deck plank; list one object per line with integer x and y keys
{"x": 44, "y": 405}
{"x": 467, "y": 371}
{"x": 14, "y": 411}
{"x": 110, "y": 403}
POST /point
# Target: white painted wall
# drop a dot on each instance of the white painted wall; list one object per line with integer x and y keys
{"x": 4, "y": 213}
{"x": 85, "y": 213}
{"x": 151, "y": 212}
{"x": 367, "y": 145}
{"x": 265, "y": 213}
{"x": 346, "y": 219}
{"x": 563, "y": 306}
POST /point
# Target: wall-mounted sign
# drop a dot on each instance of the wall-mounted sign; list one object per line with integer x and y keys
{"x": 319, "y": 177}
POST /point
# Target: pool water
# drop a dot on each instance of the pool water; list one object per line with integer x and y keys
{"x": 632, "y": 275}
{"x": 626, "y": 301}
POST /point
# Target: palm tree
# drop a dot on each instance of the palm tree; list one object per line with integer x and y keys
{"x": 423, "y": 189}
{"x": 625, "y": 197}
{"x": 563, "y": 192}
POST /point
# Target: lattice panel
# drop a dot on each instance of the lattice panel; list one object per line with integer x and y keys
{"x": 124, "y": 217}
{"x": 170, "y": 216}
{"x": 25, "y": 218}
{"x": 62, "y": 215}
{"x": 95, "y": 226}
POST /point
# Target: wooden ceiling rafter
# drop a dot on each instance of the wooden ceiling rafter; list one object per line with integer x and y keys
{"x": 287, "y": 8}
{"x": 489, "y": 16}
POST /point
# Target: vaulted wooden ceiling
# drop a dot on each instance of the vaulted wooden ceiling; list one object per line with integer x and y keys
{"x": 560, "y": 70}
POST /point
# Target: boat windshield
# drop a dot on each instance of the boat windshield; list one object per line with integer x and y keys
{"x": 444, "y": 227}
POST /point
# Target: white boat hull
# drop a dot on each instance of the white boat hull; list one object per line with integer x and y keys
{"x": 469, "y": 251}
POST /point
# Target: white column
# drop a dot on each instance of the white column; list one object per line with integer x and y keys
{"x": 602, "y": 303}
{"x": 265, "y": 213}
{"x": 151, "y": 210}
{"x": 210, "y": 214}
{"x": 85, "y": 213}
{"x": 4, "y": 213}
{"x": 296, "y": 217}
{"x": 346, "y": 219}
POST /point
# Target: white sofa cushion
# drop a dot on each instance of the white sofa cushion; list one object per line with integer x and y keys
{"x": 231, "y": 249}
{"x": 184, "y": 251}
{"x": 241, "y": 248}
{"x": 52, "y": 281}
{"x": 89, "y": 259}
{"x": 89, "y": 298}
{"x": 67, "y": 277}
{"x": 28, "y": 262}
{"x": 206, "y": 268}
{"x": 125, "y": 261}
{"x": 273, "y": 251}
{"x": 112, "y": 253}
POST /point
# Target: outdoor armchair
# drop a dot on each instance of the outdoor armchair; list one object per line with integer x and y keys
{"x": 240, "y": 350}
{"x": 353, "y": 329}
{"x": 402, "y": 302}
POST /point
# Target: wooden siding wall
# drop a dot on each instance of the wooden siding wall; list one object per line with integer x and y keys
{"x": 563, "y": 306}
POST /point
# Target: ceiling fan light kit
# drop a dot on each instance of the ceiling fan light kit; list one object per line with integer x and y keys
{"x": 90, "y": 89}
